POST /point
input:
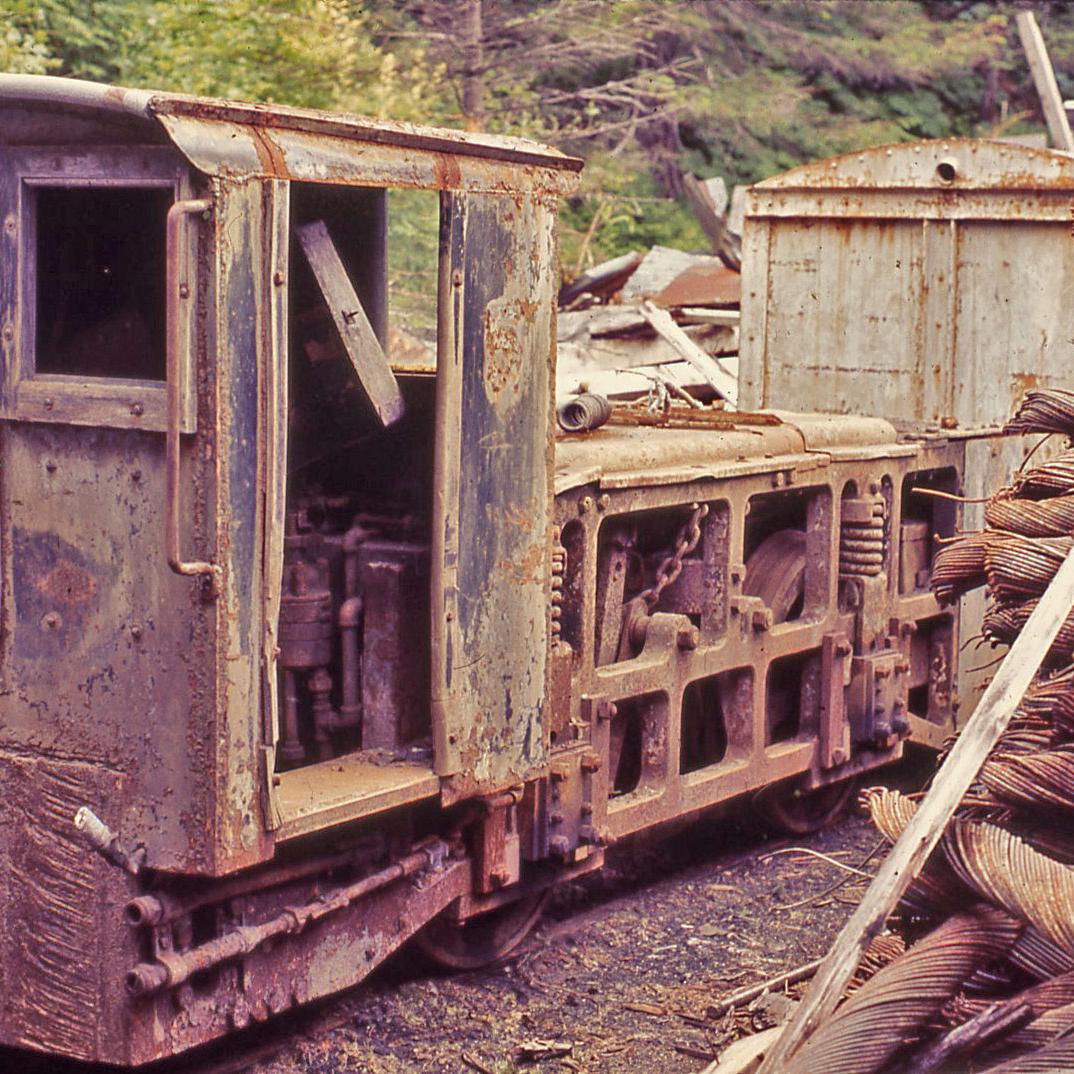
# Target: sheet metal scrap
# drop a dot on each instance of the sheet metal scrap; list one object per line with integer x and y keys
{"x": 875, "y": 1022}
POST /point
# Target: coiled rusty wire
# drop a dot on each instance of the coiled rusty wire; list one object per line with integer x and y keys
{"x": 1033, "y": 780}
{"x": 1018, "y": 567}
{"x": 1052, "y": 478}
{"x": 1053, "y": 517}
{"x": 890, "y": 1009}
{"x": 1006, "y": 871}
{"x": 1052, "y": 1004}
{"x": 1054, "y": 1058}
{"x": 935, "y": 891}
{"x": 1034, "y": 954}
{"x": 1003, "y": 622}
{"x": 958, "y": 567}
{"x": 1044, "y": 410}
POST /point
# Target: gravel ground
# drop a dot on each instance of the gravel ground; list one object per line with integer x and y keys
{"x": 622, "y": 971}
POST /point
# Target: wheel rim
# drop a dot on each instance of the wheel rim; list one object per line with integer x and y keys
{"x": 800, "y": 812}
{"x": 482, "y": 940}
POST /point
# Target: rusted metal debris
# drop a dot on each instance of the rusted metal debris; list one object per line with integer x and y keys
{"x": 1007, "y": 852}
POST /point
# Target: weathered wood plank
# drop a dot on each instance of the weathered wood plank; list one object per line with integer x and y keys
{"x": 921, "y": 835}
{"x": 360, "y": 341}
{"x": 1044, "y": 79}
{"x": 725, "y": 384}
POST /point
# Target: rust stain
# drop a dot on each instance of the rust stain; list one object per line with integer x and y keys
{"x": 269, "y": 153}
{"x": 448, "y": 173}
{"x": 68, "y": 583}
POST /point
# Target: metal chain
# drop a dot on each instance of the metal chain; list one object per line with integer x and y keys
{"x": 686, "y": 541}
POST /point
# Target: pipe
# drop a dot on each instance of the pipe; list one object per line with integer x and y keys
{"x": 350, "y": 708}
{"x": 173, "y": 968}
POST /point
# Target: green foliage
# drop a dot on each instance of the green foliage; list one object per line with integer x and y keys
{"x": 643, "y": 89}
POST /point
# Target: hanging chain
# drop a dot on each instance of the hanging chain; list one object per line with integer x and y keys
{"x": 671, "y": 568}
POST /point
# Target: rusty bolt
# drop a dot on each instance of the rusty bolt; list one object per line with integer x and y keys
{"x": 839, "y": 756}
{"x": 585, "y": 505}
{"x": 9, "y": 332}
{"x": 555, "y": 817}
{"x": 559, "y": 846}
{"x": 762, "y": 619}
{"x": 591, "y": 762}
{"x": 586, "y": 809}
{"x": 184, "y": 290}
{"x": 48, "y": 404}
{"x": 136, "y": 632}
{"x": 688, "y": 637}
{"x": 604, "y": 502}
{"x": 874, "y": 487}
{"x": 883, "y": 672}
{"x": 51, "y": 621}
{"x": 136, "y": 475}
{"x": 558, "y": 773}
{"x": 778, "y": 479}
{"x": 369, "y": 954}
{"x": 843, "y": 648}
{"x": 456, "y": 278}
{"x": 278, "y": 278}
{"x": 50, "y": 466}
{"x": 499, "y": 879}
{"x": 137, "y": 409}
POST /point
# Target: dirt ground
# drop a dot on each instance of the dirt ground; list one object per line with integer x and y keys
{"x": 623, "y": 971}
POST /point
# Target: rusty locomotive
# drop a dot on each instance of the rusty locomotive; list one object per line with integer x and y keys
{"x": 305, "y": 650}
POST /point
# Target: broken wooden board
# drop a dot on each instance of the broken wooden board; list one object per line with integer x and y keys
{"x": 356, "y": 333}
{"x": 919, "y": 838}
{"x": 1044, "y": 79}
{"x": 726, "y": 386}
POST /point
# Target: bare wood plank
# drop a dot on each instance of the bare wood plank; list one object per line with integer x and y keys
{"x": 1044, "y": 79}
{"x": 359, "y": 340}
{"x": 713, "y": 223}
{"x": 921, "y": 835}
{"x": 725, "y": 384}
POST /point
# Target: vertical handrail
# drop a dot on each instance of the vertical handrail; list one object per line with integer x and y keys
{"x": 177, "y": 365}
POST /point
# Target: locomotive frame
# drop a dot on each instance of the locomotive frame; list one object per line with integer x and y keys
{"x": 316, "y": 676}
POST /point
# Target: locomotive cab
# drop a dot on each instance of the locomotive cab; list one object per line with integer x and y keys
{"x": 269, "y": 576}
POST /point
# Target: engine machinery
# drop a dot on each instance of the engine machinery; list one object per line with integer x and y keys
{"x": 322, "y": 650}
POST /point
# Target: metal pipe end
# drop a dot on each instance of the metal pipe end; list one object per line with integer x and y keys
{"x": 144, "y": 910}
{"x": 146, "y": 977}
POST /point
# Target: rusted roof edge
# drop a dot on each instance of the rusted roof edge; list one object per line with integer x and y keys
{"x": 378, "y": 132}
{"x": 900, "y": 166}
{"x": 149, "y": 104}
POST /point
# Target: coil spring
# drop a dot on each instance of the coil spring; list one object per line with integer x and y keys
{"x": 862, "y": 545}
{"x": 559, "y": 569}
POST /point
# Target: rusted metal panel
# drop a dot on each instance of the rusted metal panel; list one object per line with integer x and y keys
{"x": 224, "y": 147}
{"x": 927, "y": 282}
{"x": 246, "y": 317}
{"x": 491, "y": 529}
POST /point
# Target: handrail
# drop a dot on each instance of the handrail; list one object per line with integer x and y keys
{"x": 178, "y": 364}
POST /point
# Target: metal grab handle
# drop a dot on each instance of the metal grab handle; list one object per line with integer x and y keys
{"x": 177, "y": 291}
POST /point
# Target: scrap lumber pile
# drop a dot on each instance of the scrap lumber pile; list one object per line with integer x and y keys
{"x": 986, "y": 983}
{"x": 666, "y": 321}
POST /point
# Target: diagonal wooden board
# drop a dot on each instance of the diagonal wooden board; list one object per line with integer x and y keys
{"x": 359, "y": 340}
{"x": 921, "y": 835}
{"x": 1040, "y": 66}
